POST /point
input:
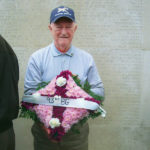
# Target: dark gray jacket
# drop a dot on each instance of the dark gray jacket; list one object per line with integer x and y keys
{"x": 9, "y": 76}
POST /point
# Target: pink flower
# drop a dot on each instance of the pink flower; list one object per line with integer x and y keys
{"x": 72, "y": 116}
{"x": 68, "y": 93}
{"x": 44, "y": 113}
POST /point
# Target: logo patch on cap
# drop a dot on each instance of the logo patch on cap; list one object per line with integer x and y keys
{"x": 63, "y": 10}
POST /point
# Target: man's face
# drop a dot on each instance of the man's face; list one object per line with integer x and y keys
{"x": 63, "y": 31}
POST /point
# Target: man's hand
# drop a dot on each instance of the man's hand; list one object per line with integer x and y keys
{"x": 48, "y": 132}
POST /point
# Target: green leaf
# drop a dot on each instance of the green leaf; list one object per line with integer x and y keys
{"x": 42, "y": 85}
{"x": 28, "y": 114}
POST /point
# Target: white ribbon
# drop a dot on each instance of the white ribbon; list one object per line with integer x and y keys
{"x": 64, "y": 102}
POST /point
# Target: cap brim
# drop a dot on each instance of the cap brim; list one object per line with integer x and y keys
{"x": 62, "y": 16}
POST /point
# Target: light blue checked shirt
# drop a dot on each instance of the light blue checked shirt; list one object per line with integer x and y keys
{"x": 48, "y": 62}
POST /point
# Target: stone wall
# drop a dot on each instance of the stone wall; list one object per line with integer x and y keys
{"x": 116, "y": 33}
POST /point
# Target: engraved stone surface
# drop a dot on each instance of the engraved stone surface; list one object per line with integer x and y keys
{"x": 116, "y": 33}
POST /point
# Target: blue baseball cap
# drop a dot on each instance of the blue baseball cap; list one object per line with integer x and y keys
{"x": 62, "y": 11}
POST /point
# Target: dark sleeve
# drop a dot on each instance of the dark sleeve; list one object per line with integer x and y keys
{"x": 9, "y": 76}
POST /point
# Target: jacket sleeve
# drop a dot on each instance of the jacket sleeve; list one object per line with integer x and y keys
{"x": 33, "y": 75}
{"x": 94, "y": 79}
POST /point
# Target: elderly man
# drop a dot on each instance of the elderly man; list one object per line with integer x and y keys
{"x": 48, "y": 62}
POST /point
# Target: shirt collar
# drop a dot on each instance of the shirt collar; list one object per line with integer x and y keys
{"x": 56, "y": 52}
